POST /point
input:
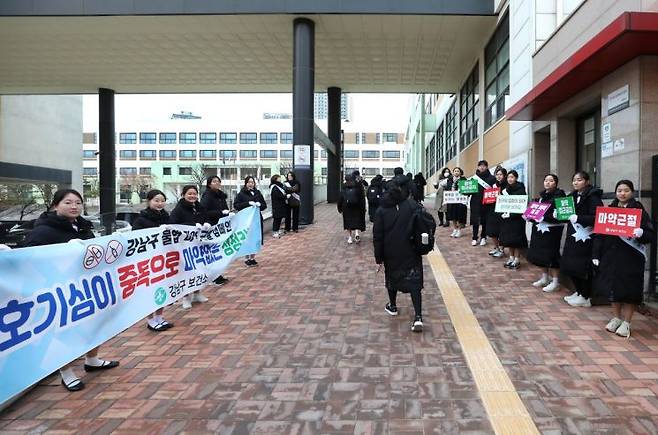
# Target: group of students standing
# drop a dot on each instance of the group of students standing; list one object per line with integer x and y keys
{"x": 606, "y": 266}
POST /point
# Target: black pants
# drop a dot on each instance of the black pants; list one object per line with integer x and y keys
{"x": 441, "y": 217}
{"x": 276, "y": 223}
{"x": 292, "y": 218}
{"x": 583, "y": 285}
{"x": 416, "y": 299}
{"x": 476, "y": 230}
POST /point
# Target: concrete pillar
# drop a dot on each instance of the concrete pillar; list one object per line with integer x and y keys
{"x": 334, "y": 176}
{"x": 106, "y": 158}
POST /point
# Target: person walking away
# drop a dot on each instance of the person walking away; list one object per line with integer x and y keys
{"x": 214, "y": 201}
{"x": 373, "y": 196}
{"x": 63, "y": 224}
{"x": 249, "y": 196}
{"x": 621, "y": 261}
{"x": 419, "y": 187}
{"x": 456, "y": 212}
{"x": 544, "y": 250}
{"x": 153, "y": 216}
{"x": 279, "y": 204}
{"x": 402, "y": 181}
{"x": 403, "y": 266}
{"x": 351, "y": 204}
{"x": 294, "y": 188}
{"x": 494, "y": 219}
{"x": 512, "y": 227}
{"x": 576, "y": 259}
{"x": 479, "y": 211}
{"x": 439, "y": 206}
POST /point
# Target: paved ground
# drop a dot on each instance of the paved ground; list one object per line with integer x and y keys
{"x": 302, "y": 345}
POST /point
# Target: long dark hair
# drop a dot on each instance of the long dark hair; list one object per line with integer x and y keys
{"x": 246, "y": 180}
{"x": 61, "y": 194}
{"x": 441, "y": 177}
{"x": 209, "y": 180}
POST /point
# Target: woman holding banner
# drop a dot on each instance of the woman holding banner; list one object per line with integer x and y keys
{"x": 544, "y": 250}
{"x": 249, "y": 196}
{"x": 620, "y": 262}
{"x": 63, "y": 224}
{"x": 512, "y": 227}
{"x": 456, "y": 212}
{"x": 577, "y": 253}
{"x": 493, "y": 219}
{"x": 439, "y": 206}
{"x": 479, "y": 211}
{"x": 214, "y": 201}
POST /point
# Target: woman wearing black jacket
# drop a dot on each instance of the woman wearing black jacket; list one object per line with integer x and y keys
{"x": 577, "y": 253}
{"x": 494, "y": 219}
{"x": 279, "y": 204}
{"x": 480, "y": 212}
{"x": 249, "y": 196}
{"x": 214, "y": 201}
{"x": 544, "y": 250}
{"x": 403, "y": 267}
{"x": 374, "y": 196}
{"x": 621, "y": 261}
{"x": 352, "y": 205}
{"x": 153, "y": 216}
{"x": 456, "y": 212}
{"x": 189, "y": 211}
{"x": 294, "y": 188}
{"x": 512, "y": 226}
{"x": 63, "y": 224}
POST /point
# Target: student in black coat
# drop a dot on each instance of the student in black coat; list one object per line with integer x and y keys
{"x": 374, "y": 196}
{"x": 403, "y": 267}
{"x": 479, "y": 211}
{"x": 352, "y": 205}
{"x": 544, "y": 250}
{"x": 404, "y": 182}
{"x": 280, "y": 207}
{"x": 512, "y": 226}
{"x": 576, "y": 259}
{"x": 494, "y": 219}
{"x": 456, "y": 212}
{"x": 419, "y": 187}
{"x": 153, "y": 216}
{"x": 214, "y": 201}
{"x": 621, "y": 261}
{"x": 189, "y": 211}
{"x": 249, "y": 196}
{"x": 294, "y": 188}
{"x": 63, "y": 224}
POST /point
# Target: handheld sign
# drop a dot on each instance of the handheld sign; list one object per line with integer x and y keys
{"x": 489, "y": 196}
{"x": 511, "y": 204}
{"x": 564, "y": 207}
{"x": 454, "y": 197}
{"x": 536, "y": 210}
{"x": 468, "y": 186}
{"x": 614, "y": 221}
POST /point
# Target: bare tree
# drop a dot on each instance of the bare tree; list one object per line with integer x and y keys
{"x": 20, "y": 196}
{"x": 200, "y": 173}
{"x": 47, "y": 191}
{"x": 139, "y": 184}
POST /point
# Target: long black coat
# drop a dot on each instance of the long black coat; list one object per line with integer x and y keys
{"x": 186, "y": 213}
{"x": 279, "y": 204}
{"x": 479, "y": 211}
{"x": 149, "y": 218}
{"x": 620, "y": 273}
{"x": 50, "y": 229}
{"x": 455, "y": 212}
{"x": 577, "y": 255}
{"x": 374, "y": 197}
{"x": 405, "y": 183}
{"x": 403, "y": 267}
{"x": 512, "y": 229}
{"x": 544, "y": 250}
{"x": 354, "y": 215}
{"x": 494, "y": 219}
{"x": 214, "y": 201}
{"x": 241, "y": 202}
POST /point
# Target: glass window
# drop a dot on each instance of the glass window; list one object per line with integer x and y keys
{"x": 207, "y": 138}
{"x": 127, "y": 154}
{"x": 166, "y": 171}
{"x": 469, "y": 97}
{"x": 323, "y": 154}
{"x": 144, "y": 171}
{"x": 167, "y": 155}
{"x": 184, "y": 171}
{"x": 440, "y": 148}
{"x": 285, "y": 154}
{"x": 316, "y": 154}
{"x": 127, "y": 138}
{"x": 187, "y": 154}
{"x": 88, "y": 154}
{"x": 378, "y": 138}
{"x": 390, "y": 137}
{"x": 496, "y": 56}
{"x": 286, "y": 137}
{"x": 369, "y": 172}
{"x": 248, "y": 154}
{"x": 228, "y": 138}
{"x": 127, "y": 171}
{"x": 268, "y": 138}
{"x": 187, "y": 138}
{"x": 147, "y": 154}
{"x": 391, "y": 154}
{"x": 370, "y": 155}
{"x": 430, "y": 162}
{"x": 451, "y": 131}
{"x": 363, "y": 138}
{"x": 350, "y": 154}
{"x": 388, "y": 172}
{"x": 208, "y": 154}
{"x": 89, "y": 171}
{"x": 248, "y": 138}
{"x": 227, "y": 154}
{"x": 268, "y": 154}
{"x": 167, "y": 138}
{"x": 324, "y": 171}
{"x": 147, "y": 138}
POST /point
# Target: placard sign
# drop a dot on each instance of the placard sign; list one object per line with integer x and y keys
{"x": 511, "y": 204}
{"x": 489, "y": 196}
{"x": 454, "y": 197}
{"x": 564, "y": 207}
{"x": 536, "y": 210}
{"x": 467, "y": 187}
{"x": 302, "y": 155}
{"x": 615, "y": 221}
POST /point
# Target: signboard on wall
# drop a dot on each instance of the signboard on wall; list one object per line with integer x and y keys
{"x": 619, "y": 99}
{"x": 302, "y": 155}
{"x": 520, "y": 165}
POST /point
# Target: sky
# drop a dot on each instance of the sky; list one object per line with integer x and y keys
{"x": 377, "y": 111}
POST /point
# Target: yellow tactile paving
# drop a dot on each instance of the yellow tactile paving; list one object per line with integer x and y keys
{"x": 504, "y": 407}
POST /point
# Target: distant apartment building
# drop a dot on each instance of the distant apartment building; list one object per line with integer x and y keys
{"x": 321, "y": 106}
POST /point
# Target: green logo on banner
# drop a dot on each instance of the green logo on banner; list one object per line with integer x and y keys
{"x": 467, "y": 186}
{"x": 160, "y": 296}
{"x": 564, "y": 207}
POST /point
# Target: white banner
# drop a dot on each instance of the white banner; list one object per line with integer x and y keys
{"x": 454, "y": 197}
{"x": 511, "y": 204}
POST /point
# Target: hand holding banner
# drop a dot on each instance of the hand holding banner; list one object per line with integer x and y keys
{"x": 511, "y": 204}
{"x": 536, "y": 210}
{"x": 615, "y": 221}
{"x": 564, "y": 207}
{"x": 489, "y": 196}
{"x": 467, "y": 187}
{"x": 454, "y": 197}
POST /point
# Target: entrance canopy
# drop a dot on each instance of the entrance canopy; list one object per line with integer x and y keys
{"x": 418, "y": 46}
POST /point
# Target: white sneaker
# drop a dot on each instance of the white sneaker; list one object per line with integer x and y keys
{"x": 624, "y": 330}
{"x": 579, "y": 301}
{"x": 613, "y": 324}
{"x": 198, "y": 297}
{"x": 553, "y": 286}
{"x": 276, "y": 235}
{"x": 571, "y": 296}
{"x": 541, "y": 282}
{"x": 483, "y": 241}
{"x": 187, "y": 302}
{"x": 474, "y": 243}
{"x": 357, "y": 238}
{"x": 498, "y": 254}
{"x": 493, "y": 251}
{"x": 458, "y": 234}
{"x": 349, "y": 240}
{"x": 454, "y": 232}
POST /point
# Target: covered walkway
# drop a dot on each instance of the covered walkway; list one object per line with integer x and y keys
{"x": 302, "y": 345}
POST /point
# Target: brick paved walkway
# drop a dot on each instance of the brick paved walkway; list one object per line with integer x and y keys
{"x": 302, "y": 345}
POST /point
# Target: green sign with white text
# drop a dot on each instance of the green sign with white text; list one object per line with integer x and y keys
{"x": 564, "y": 207}
{"x": 467, "y": 186}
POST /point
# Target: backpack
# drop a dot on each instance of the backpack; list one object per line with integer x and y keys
{"x": 422, "y": 222}
{"x": 373, "y": 194}
{"x": 351, "y": 196}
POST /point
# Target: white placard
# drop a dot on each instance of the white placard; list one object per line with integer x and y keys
{"x": 618, "y": 99}
{"x": 302, "y": 155}
{"x": 606, "y": 149}
{"x": 511, "y": 203}
{"x": 454, "y": 197}
{"x": 619, "y": 145}
{"x": 606, "y": 132}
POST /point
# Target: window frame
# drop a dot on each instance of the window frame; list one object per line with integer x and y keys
{"x": 187, "y": 138}
{"x": 244, "y": 140}
{"x": 167, "y": 138}
{"x": 496, "y": 70}
{"x": 285, "y": 141}
{"x": 271, "y": 140}
{"x": 469, "y": 99}
{"x": 162, "y": 156}
{"x": 124, "y": 141}
{"x": 243, "y": 154}
{"x": 375, "y": 154}
{"x": 144, "y": 140}
{"x": 213, "y": 155}
{"x": 451, "y": 131}
{"x": 182, "y": 156}
{"x": 397, "y": 157}
{"x": 207, "y": 138}
{"x": 122, "y": 155}
{"x": 273, "y": 154}
{"x": 224, "y": 138}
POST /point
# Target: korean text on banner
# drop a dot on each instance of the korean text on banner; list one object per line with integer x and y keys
{"x": 467, "y": 187}
{"x": 564, "y": 207}
{"x": 454, "y": 197}
{"x": 536, "y": 210}
{"x": 615, "y": 221}
{"x": 57, "y": 302}
{"x": 489, "y": 196}
{"x": 511, "y": 203}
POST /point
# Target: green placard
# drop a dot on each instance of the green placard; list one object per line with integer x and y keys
{"x": 564, "y": 207}
{"x": 467, "y": 186}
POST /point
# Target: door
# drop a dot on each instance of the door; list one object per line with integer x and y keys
{"x": 589, "y": 145}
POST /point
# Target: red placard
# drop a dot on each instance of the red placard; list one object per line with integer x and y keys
{"x": 489, "y": 196}
{"x": 614, "y": 221}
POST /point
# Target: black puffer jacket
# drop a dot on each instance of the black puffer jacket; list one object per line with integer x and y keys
{"x": 149, "y": 218}
{"x": 354, "y": 215}
{"x": 279, "y": 204}
{"x": 577, "y": 254}
{"x": 186, "y": 213}
{"x": 393, "y": 247}
{"x": 544, "y": 250}
{"x": 214, "y": 201}
{"x": 50, "y": 229}
{"x": 512, "y": 228}
{"x": 405, "y": 183}
{"x": 479, "y": 211}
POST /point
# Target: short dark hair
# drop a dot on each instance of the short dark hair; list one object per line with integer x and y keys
{"x": 483, "y": 162}
{"x": 61, "y": 194}
{"x": 188, "y": 187}
{"x": 398, "y": 171}
{"x": 246, "y": 180}
{"x": 153, "y": 193}
{"x": 582, "y": 174}
{"x": 629, "y": 183}
{"x": 461, "y": 171}
{"x": 554, "y": 178}
{"x": 212, "y": 177}
{"x": 513, "y": 172}
{"x": 274, "y": 178}
{"x": 502, "y": 170}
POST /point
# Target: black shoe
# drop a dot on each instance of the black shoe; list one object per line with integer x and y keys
{"x": 391, "y": 309}
{"x": 254, "y": 262}
{"x": 105, "y": 366}
{"x": 417, "y": 325}
{"x": 220, "y": 281}
{"x": 159, "y": 327}
{"x": 251, "y": 263}
{"x": 515, "y": 265}
{"x": 74, "y": 385}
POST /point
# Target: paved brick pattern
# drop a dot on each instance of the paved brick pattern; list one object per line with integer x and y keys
{"x": 299, "y": 345}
